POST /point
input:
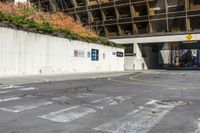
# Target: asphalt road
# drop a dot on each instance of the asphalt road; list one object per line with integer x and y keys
{"x": 143, "y": 102}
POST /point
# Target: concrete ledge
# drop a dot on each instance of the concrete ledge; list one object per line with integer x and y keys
{"x": 156, "y": 39}
{"x": 18, "y": 80}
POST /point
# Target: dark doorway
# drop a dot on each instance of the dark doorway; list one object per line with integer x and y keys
{"x": 180, "y": 55}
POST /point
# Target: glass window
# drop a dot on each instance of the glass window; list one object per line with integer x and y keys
{"x": 194, "y": 23}
{"x": 177, "y": 25}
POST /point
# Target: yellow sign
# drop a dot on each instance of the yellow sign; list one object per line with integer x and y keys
{"x": 189, "y": 37}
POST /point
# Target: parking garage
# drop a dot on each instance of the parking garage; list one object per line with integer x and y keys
{"x": 162, "y": 52}
{"x": 174, "y": 55}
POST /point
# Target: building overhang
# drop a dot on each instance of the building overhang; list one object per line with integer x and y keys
{"x": 159, "y": 39}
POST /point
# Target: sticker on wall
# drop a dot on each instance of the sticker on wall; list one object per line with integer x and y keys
{"x": 95, "y": 54}
{"x": 104, "y": 55}
{"x": 120, "y": 54}
{"x": 189, "y": 37}
{"x": 88, "y": 54}
{"x": 79, "y": 53}
{"x": 75, "y": 53}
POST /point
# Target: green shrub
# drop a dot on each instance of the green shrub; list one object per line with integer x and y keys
{"x": 44, "y": 28}
{"x": 71, "y": 35}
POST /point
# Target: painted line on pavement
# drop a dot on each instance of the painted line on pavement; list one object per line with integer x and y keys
{"x": 9, "y": 99}
{"x": 140, "y": 120}
{"x": 85, "y": 95}
{"x": 173, "y": 73}
{"x": 150, "y": 82}
{"x": 102, "y": 103}
{"x": 11, "y": 87}
{"x": 76, "y": 112}
{"x": 61, "y": 98}
{"x": 137, "y": 83}
{"x": 6, "y": 91}
{"x": 28, "y": 89}
{"x": 197, "y": 126}
{"x": 19, "y": 108}
{"x": 157, "y": 73}
{"x": 68, "y": 114}
{"x": 99, "y": 100}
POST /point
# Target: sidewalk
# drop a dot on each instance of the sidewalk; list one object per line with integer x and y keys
{"x": 17, "y": 80}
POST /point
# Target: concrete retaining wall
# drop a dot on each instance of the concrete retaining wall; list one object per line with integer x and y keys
{"x": 29, "y": 53}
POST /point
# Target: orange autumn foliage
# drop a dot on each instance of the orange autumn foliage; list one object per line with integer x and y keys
{"x": 60, "y": 20}
{"x": 57, "y": 19}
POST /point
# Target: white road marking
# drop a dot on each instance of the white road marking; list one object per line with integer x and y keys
{"x": 68, "y": 114}
{"x": 197, "y": 126}
{"x": 101, "y": 103}
{"x": 178, "y": 88}
{"x": 61, "y": 98}
{"x": 182, "y": 73}
{"x": 152, "y": 101}
{"x": 11, "y": 87}
{"x": 157, "y": 73}
{"x": 9, "y": 99}
{"x": 122, "y": 98}
{"x": 6, "y": 91}
{"x": 19, "y": 108}
{"x": 99, "y": 100}
{"x": 83, "y": 95}
{"x": 173, "y": 73}
{"x": 28, "y": 89}
{"x": 30, "y": 96}
{"x": 173, "y": 88}
{"x": 140, "y": 120}
{"x": 164, "y": 72}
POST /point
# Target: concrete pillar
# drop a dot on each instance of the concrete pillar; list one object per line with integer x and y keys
{"x": 137, "y": 51}
{"x": 165, "y": 55}
{"x": 129, "y": 61}
{"x": 139, "y": 63}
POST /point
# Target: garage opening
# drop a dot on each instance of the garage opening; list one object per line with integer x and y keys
{"x": 177, "y": 55}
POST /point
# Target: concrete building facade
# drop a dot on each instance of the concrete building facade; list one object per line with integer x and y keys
{"x": 129, "y": 18}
